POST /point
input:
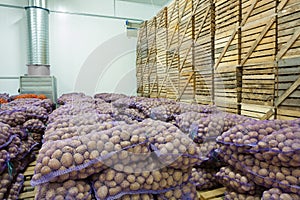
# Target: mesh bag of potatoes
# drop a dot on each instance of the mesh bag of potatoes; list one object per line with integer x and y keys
{"x": 184, "y": 192}
{"x": 70, "y": 109}
{"x": 72, "y": 97}
{"x": 112, "y": 184}
{"x": 146, "y": 105}
{"x": 280, "y": 148}
{"x": 75, "y": 131}
{"x": 232, "y": 195}
{"x": 165, "y": 112}
{"x": 126, "y": 102}
{"x": 267, "y": 175}
{"x": 187, "y": 107}
{"x": 106, "y": 108}
{"x": 204, "y": 178}
{"x": 185, "y": 120}
{"x": 79, "y": 157}
{"x": 20, "y": 131}
{"x": 137, "y": 197}
{"x": 125, "y": 119}
{"x": 6, "y": 135}
{"x": 71, "y": 190}
{"x": 235, "y": 181}
{"x": 13, "y": 117}
{"x": 275, "y": 193}
{"x": 4, "y": 158}
{"x": 132, "y": 113}
{"x": 5, "y": 182}
{"x": 244, "y": 136}
{"x": 109, "y": 97}
{"x": 16, "y": 187}
{"x": 34, "y": 125}
{"x": 68, "y": 121}
{"x": 172, "y": 147}
{"x": 213, "y": 125}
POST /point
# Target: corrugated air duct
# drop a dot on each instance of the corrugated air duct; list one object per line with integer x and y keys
{"x": 38, "y": 37}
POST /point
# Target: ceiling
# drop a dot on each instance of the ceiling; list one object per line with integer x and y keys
{"x": 151, "y": 2}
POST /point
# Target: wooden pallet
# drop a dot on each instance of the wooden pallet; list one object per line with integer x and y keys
{"x": 28, "y": 192}
{"x": 216, "y": 194}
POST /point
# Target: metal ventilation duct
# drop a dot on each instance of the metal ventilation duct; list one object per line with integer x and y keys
{"x": 38, "y": 37}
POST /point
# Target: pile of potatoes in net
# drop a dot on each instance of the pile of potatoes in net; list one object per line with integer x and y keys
{"x": 82, "y": 156}
{"x": 275, "y": 193}
{"x": 113, "y": 184}
{"x": 19, "y": 120}
{"x": 204, "y": 178}
{"x": 265, "y": 152}
{"x": 232, "y": 195}
{"x": 236, "y": 181}
{"x": 70, "y": 189}
{"x": 109, "y": 97}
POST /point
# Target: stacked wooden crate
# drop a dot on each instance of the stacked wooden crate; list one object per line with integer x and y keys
{"x": 258, "y": 49}
{"x": 141, "y": 60}
{"x": 151, "y": 73}
{"x": 226, "y": 45}
{"x": 172, "y": 73}
{"x": 241, "y": 55}
{"x": 161, "y": 48}
{"x": 203, "y": 51}
{"x": 186, "y": 42}
{"x": 287, "y": 99}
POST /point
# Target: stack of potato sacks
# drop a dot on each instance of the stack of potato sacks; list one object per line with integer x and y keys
{"x": 109, "y": 147}
{"x": 263, "y": 158}
{"x": 19, "y": 119}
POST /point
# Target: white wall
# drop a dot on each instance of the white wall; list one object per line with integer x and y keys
{"x": 88, "y": 54}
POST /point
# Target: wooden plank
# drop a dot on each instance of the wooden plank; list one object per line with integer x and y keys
{"x": 293, "y": 87}
{"x": 262, "y": 34}
{"x": 286, "y": 47}
{"x": 212, "y": 193}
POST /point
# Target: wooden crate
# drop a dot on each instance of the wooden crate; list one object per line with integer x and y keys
{"x": 203, "y": 51}
{"x": 226, "y": 54}
{"x": 161, "y": 48}
{"x": 258, "y": 49}
{"x": 142, "y": 54}
{"x": 173, "y": 59}
{"x": 287, "y": 99}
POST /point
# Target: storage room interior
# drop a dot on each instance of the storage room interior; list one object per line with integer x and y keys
{"x": 150, "y": 99}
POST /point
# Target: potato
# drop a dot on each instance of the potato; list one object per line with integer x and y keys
{"x": 229, "y": 195}
{"x": 275, "y": 193}
{"x": 204, "y": 178}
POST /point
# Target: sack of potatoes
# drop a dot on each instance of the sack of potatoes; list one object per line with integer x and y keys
{"x": 266, "y": 174}
{"x": 187, "y": 107}
{"x": 113, "y": 184}
{"x": 280, "y": 148}
{"x": 34, "y": 125}
{"x": 67, "y": 121}
{"x": 137, "y": 197}
{"x": 235, "y": 181}
{"x": 204, "y": 178}
{"x": 12, "y": 117}
{"x": 75, "y": 131}
{"x": 5, "y": 182}
{"x": 6, "y": 135}
{"x": 109, "y": 97}
{"x": 165, "y": 112}
{"x": 186, "y": 191}
{"x": 16, "y": 187}
{"x": 69, "y": 97}
{"x": 232, "y": 195}
{"x": 245, "y": 136}
{"x": 79, "y": 157}
{"x": 275, "y": 193}
{"x": 71, "y": 190}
